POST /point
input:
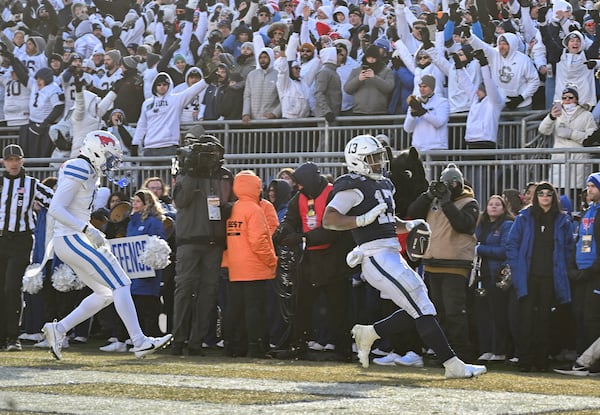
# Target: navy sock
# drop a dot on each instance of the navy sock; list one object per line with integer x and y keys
{"x": 433, "y": 336}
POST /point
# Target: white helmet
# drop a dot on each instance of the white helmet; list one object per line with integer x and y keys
{"x": 366, "y": 156}
{"x": 103, "y": 150}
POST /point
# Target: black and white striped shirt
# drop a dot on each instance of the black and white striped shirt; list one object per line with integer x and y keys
{"x": 17, "y": 197}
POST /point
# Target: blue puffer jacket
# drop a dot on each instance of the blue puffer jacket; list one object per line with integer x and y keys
{"x": 493, "y": 249}
{"x": 151, "y": 226}
{"x": 520, "y": 246}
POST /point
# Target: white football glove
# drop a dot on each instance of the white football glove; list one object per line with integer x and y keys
{"x": 96, "y": 237}
{"x": 410, "y": 224}
{"x": 371, "y": 215}
{"x": 354, "y": 257}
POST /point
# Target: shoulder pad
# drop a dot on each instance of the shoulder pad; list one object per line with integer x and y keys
{"x": 77, "y": 169}
{"x": 347, "y": 181}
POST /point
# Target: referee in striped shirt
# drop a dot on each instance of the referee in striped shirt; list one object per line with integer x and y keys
{"x": 18, "y": 193}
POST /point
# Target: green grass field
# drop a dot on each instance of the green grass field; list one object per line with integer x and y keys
{"x": 87, "y": 373}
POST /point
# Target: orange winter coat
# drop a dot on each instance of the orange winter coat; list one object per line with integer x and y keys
{"x": 251, "y": 254}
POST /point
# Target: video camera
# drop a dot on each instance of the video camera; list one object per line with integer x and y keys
{"x": 438, "y": 189}
{"x": 199, "y": 158}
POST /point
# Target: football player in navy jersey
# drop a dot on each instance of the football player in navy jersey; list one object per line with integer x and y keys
{"x": 363, "y": 203}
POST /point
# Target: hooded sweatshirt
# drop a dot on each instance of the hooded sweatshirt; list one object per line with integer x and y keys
{"x": 159, "y": 122}
{"x": 194, "y": 110}
{"x": 248, "y": 235}
{"x": 260, "y": 91}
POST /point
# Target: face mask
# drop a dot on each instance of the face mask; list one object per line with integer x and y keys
{"x": 569, "y": 107}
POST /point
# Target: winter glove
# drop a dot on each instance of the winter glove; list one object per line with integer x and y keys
{"x": 504, "y": 14}
{"x": 525, "y": 3}
{"x": 354, "y": 257}
{"x": 427, "y": 43}
{"x": 480, "y": 56}
{"x": 78, "y": 82}
{"x": 590, "y": 64}
{"x": 513, "y": 102}
{"x": 416, "y": 106}
{"x": 542, "y": 12}
{"x": 410, "y": 224}
{"x": 116, "y": 87}
{"x": 593, "y": 139}
{"x": 455, "y": 16}
{"x": 4, "y": 52}
{"x": 255, "y": 24}
{"x": 396, "y": 62}
{"x": 330, "y": 117}
{"x": 458, "y": 64}
{"x": 474, "y": 13}
{"x": 595, "y": 14}
{"x": 292, "y": 239}
{"x": 96, "y": 237}
{"x": 297, "y": 25}
{"x": 441, "y": 22}
{"x": 563, "y": 131}
{"x": 371, "y": 215}
{"x": 465, "y": 32}
{"x": 430, "y": 19}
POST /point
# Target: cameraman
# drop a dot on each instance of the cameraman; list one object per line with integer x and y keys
{"x": 452, "y": 212}
{"x": 203, "y": 195}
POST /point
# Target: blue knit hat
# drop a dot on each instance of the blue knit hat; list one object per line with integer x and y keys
{"x": 594, "y": 178}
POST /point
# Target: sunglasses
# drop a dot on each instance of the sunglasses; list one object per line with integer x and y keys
{"x": 545, "y": 193}
{"x": 569, "y": 97}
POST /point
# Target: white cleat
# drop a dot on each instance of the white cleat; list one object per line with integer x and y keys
{"x": 151, "y": 345}
{"x": 457, "y": 369}
{"x": 364, "y": 336}
{"x": 54, "y": 338}
{"x": 410, "y": 359}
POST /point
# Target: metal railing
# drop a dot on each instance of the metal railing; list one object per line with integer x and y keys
{"x": 270, "y": 145}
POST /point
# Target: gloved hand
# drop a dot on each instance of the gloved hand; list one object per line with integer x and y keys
{"x": 430, "y": 19}
{"x": 441, "y": 22}
{"x": 371, "y": 215}
{"x": 595, "y": 14}
{"x": 427, "y": 43}
{"x": 116, "y": 87}
{"x": 354, "y": 257}
{"x": 513, "y": 102}
{"x": 542, "y": 12}
{"x": 474, "y": 13}
{"x": 564, "y": 131}
{"x": 255, "y": 24}
{"x": 465, "y": 32}
{"x": 330, "y": 117}
{"x": 593, "y": 139}
{"x": 416, "y": 106}
{"x": 504, "y": 13}
{"x": 96, "y": 238}
{"x": 445, "y": 197}
{"x": 292, "y": 239}
{"x": 590, "y": 64}
{"x": 480, "y": 56}
{"x": 62, "y": 143}
{"x": 458, "y": 64}
{"x": 410, "y": 224}
{"x": 396, "y": 62}
{"x": 297, "y": 26}
{"x": 78, "y": 82}
{"x": 455, "y": 16}
{"x": 4, "y": 51}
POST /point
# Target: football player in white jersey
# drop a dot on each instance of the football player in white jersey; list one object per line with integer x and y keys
{"x": 363, "y": 203}
{"x": 83, "y": 247}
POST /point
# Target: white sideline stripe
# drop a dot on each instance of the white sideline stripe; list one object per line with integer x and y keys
{"x": 347, "y": 397}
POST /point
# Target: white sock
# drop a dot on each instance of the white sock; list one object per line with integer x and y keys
{"x": 126, "y": 310}
{"x": 90, "y": 305}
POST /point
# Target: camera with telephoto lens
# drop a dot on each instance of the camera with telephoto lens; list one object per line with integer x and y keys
{"x": 200, "y": 159}
{"x": 438, "y": 189}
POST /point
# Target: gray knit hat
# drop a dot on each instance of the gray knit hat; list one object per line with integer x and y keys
{"x": 115, "y": 55}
